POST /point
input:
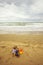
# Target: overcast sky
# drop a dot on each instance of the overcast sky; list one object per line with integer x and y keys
{"x": 21, "y": 10}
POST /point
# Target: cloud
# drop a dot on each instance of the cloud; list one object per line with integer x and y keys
{"x": 21, "y": 10}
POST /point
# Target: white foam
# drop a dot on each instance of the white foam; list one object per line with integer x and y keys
{"x": 12, "y": 29}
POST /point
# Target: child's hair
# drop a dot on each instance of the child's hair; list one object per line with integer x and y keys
{"x": 14, "y": 47}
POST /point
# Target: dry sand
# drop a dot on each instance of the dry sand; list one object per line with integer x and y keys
{"x": 32, "y": 45}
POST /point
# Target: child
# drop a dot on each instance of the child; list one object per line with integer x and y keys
{"x": 14, "y": 50}
{"x": 17, "y": 52}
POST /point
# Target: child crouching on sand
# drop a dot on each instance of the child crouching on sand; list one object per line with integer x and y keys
{"x": 15, "y": 51}
{"x": 17, "y": 54}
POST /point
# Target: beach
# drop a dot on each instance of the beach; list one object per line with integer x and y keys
{"x": 32, "y": 45}
{"x": 21, "y": 32}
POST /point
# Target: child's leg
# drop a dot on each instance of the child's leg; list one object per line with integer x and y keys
{"x": 17, "y": 54}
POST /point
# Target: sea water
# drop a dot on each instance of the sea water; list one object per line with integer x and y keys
{"x": 19, "y": 27}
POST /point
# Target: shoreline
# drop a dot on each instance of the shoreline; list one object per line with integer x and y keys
{"x": 22, "y": 32}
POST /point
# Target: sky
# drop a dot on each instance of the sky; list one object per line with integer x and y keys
{"x": 21, "y": 10}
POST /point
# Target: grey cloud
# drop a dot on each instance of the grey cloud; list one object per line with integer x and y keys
{"x": 18, "y": 2}
{"x": 25, "y": 6}
{"x": 40, "y": 14}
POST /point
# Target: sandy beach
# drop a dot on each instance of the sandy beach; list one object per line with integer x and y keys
{"x": 32, "y": 45}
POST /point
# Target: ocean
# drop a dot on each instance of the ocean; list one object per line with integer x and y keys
{"x": 20, "y": 27}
